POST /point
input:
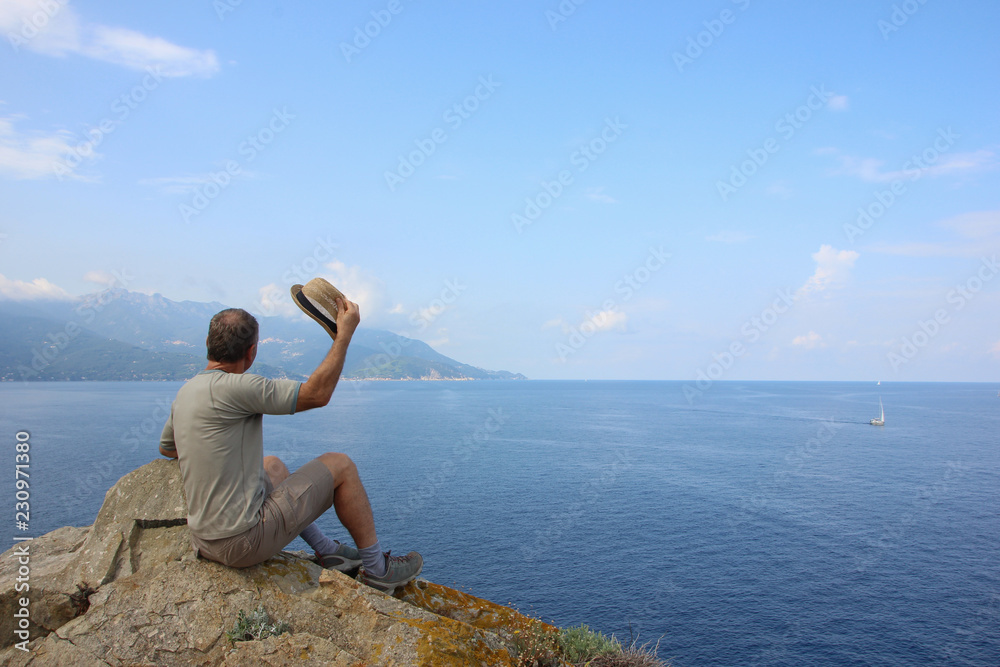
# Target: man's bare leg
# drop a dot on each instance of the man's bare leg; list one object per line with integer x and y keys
{"x": 350, "y": 500}
{"x": 277, "y": 472}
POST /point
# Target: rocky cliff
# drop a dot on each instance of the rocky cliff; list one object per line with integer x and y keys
{"x": 128, "y": 590}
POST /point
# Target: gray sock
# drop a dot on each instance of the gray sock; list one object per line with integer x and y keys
{"x": 320, "y": 543}
{"x": 374, "y": 560}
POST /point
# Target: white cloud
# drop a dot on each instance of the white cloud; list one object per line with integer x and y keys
{"x": 360, "y": 287}
{"x": 107, "y": 279}
{"x": 53, "y": 29}
{"x": 34, "y": 155}
{"x": 979, "y": 233}
{"x": 176, "y": 185}
{"x": 925, "y": 249}
{"x": 99, "y": 277}
{"x": 871, "y": 169}
{"x": 606, "y": 320}
{"x": 56, "y": 29}
{"x": 833, "y": 268}
{"x": 186, "y": 185}
{"x": 597, "y": 194}
{"x": 838, "y": 102}
{"x": 729, "y": 237}
{"x": 809, "y": 341}
{"x": 976, "y": 225}
{"x": 274, "y": 300}
{"x": 995, "y": 350}
{"x": 39, "y": 288}
{"x": 780, "y": 189}
{"x": 134, "y": 50}
{"x": 428, "y": 314}
{"x": 442, "y": 338}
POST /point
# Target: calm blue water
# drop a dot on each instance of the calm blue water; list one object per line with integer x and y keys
{"x": 764, "y": 524}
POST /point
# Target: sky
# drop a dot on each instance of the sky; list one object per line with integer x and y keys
{"x": 699, "y": 191}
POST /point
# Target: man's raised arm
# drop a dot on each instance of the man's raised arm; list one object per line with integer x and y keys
{"x": 317, "y": 390}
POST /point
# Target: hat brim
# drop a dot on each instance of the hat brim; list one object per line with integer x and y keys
{"x": 307, "y": 307}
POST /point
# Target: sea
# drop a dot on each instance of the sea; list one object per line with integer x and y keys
{"x": 738, "y": 523}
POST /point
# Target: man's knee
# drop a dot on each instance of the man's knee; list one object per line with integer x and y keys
{"x": 275, "y": 469}
{"x": 340, "y": 465}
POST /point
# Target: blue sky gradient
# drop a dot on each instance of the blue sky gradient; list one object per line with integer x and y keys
{"x": 714, "y": 190}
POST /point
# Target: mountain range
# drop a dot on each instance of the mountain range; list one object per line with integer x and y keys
{"x": 121, "y": 335}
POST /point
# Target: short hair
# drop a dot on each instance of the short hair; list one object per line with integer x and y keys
{"x": 231, "y": 334}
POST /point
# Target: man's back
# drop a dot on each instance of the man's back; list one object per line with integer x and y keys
{"x": 215, "y": 425}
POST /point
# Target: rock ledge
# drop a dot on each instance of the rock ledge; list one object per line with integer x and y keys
{"x": 155, "y": 603}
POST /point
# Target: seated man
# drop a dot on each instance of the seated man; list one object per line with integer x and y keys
{"x": 244, "y": 507}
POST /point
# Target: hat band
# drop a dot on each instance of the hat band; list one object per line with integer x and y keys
{"x": 303, "y": 301}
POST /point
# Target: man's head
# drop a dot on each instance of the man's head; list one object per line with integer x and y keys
{"x": 231, "y": 334}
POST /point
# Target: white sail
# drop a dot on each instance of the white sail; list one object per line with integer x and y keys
{"x": 880, "y": 420}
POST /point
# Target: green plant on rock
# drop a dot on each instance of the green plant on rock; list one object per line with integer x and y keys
{"x": 256, "y": 624}
{"x": 633, "y": 655}
{"x": 580, "y": 644}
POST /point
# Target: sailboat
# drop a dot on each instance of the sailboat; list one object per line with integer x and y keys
{"x": 880, "y": 420}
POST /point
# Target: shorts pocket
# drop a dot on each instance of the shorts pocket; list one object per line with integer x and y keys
{"x": 237, "y": 551}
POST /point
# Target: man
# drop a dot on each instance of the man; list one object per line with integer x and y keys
{"x": 244, "y": 507}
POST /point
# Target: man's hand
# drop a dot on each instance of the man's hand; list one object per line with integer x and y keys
{"x": 348, "y": 318}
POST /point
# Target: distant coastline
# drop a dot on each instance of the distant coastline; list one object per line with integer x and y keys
{"x": 138, "y": 337}
{"x": 343, "y": 379}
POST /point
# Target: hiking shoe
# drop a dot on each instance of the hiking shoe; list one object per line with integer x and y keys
{"x": 345, "y": 559}
{"x": 400, "y": 570}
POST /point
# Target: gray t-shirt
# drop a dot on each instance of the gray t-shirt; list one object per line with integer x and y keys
{"x": 215, "y": 426}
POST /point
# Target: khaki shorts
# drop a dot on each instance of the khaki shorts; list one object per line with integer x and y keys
{"x": 286, "y": 512}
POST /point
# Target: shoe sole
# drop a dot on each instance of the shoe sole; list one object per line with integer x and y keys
{"x": 386, "y": 587}
{"x": 345, "y": 565}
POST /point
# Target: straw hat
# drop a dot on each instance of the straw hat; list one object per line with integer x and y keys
{"x": 316, "y": 299}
